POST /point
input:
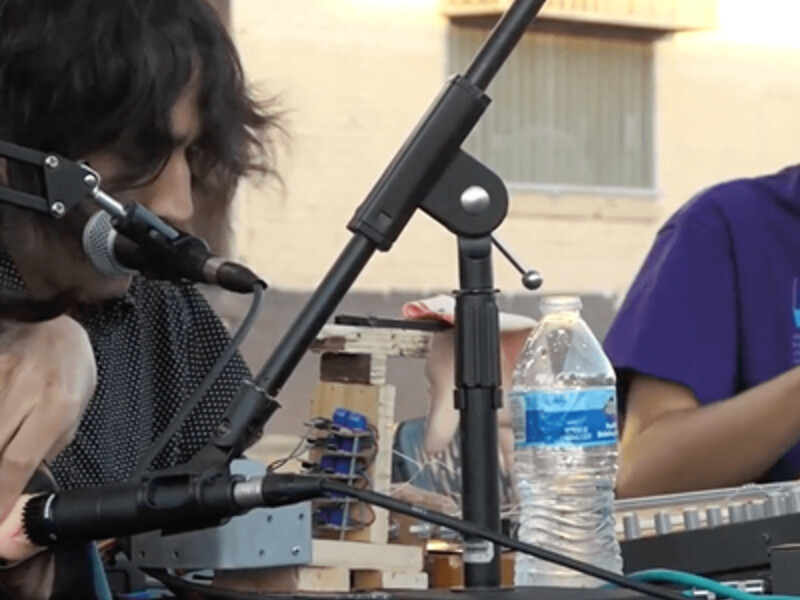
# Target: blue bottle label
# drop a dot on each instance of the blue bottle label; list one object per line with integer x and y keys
{"x": 565, "y": 418}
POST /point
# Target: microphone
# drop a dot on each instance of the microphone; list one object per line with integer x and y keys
{"x": 175, "y": 503}
{"x": 185, "y": 257}
{"x": 170, "y": 503}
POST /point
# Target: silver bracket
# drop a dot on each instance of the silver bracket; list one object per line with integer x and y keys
{"x": 264, "y": 537}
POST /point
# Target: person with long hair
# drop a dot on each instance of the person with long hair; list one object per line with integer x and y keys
{"x": 152, "y": 95}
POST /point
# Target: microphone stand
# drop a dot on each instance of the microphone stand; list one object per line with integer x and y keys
{"x": 430, "y": 171}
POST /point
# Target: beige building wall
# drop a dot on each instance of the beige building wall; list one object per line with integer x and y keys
{"x": 354, "y": 76}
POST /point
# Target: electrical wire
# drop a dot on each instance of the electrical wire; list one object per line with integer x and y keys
{"x": 641, "y": 581}
{"x": 409, "y": 483}
{"x": 300, "y": 448}
{"x": 375, "y": 448}
{"x": 690, "y": 580}
{"x": 212, "y": 375}
{"x": 468, "y": 529}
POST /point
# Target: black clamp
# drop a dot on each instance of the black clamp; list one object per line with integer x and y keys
{"x": 65, "y": 182}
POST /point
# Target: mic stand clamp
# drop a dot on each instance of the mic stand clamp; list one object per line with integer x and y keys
{"x": 65, "y": 182}
{"x": 240, "y": 426}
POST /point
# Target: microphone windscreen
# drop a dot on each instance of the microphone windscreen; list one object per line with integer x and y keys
{"x": 99, "y": 236}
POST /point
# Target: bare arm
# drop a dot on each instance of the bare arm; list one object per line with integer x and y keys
{"x": 47, "y": 376}
{"x": 670, "y": 443}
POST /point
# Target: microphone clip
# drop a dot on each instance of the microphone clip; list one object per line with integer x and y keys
{"x": 63, "y": 183}
{"x": 156, "y": 250}
{"x": 148, "y": 245}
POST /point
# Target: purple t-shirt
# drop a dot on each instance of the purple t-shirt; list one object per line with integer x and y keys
{"x": 716, "y": 304}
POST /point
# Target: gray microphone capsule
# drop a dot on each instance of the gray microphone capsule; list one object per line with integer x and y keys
{"x": 99, "y": 237}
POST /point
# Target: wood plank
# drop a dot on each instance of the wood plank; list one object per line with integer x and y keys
{"x": 384, "y": 341}
{"x": 353, "y": 368}
{"x": 285, "y": 579}
{"x": 365, "y": 556}
{"x": 389, "y": 580}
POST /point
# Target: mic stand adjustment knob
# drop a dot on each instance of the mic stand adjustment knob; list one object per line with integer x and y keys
{"x": 532, "y": 280}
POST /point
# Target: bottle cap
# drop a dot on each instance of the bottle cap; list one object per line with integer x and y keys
{"x": 555, "y": 304}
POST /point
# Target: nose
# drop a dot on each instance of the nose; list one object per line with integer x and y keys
{"x": 170, "y": 194}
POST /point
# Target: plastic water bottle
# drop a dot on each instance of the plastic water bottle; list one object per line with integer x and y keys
{"x": 564, "y": 411}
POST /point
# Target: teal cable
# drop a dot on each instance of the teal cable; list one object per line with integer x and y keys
{"x": 689, "y": 580}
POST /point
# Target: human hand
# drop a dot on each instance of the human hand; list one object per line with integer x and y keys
{"x": 443, "y": 418}
{"x": 47, "y": 376}
{"x": 14, "y": 544}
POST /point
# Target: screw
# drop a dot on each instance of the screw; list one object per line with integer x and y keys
{"x": 90, "y": 180}
{"x": 58, "y": 209}
{"x": 51, "y": 161}
{"x": 224, "y": 428}
{"x": 295, "y": 550}
{"x": 475, "y": 200}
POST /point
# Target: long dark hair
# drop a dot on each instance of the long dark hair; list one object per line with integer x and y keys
{"x": 77, "y": 76}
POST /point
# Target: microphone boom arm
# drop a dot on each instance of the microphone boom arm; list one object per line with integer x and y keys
{"x": 66, "y": 183}
{"x": 176, "y": 255}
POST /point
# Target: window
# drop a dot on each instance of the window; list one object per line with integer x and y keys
{"x": 569, "y": 109}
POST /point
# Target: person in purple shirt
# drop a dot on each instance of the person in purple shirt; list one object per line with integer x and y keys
{"x": 707, "y": 342}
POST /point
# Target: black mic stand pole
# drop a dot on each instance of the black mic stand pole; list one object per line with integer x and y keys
{"x": 432, "y": 172}
{"x": 410, "y": 177}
